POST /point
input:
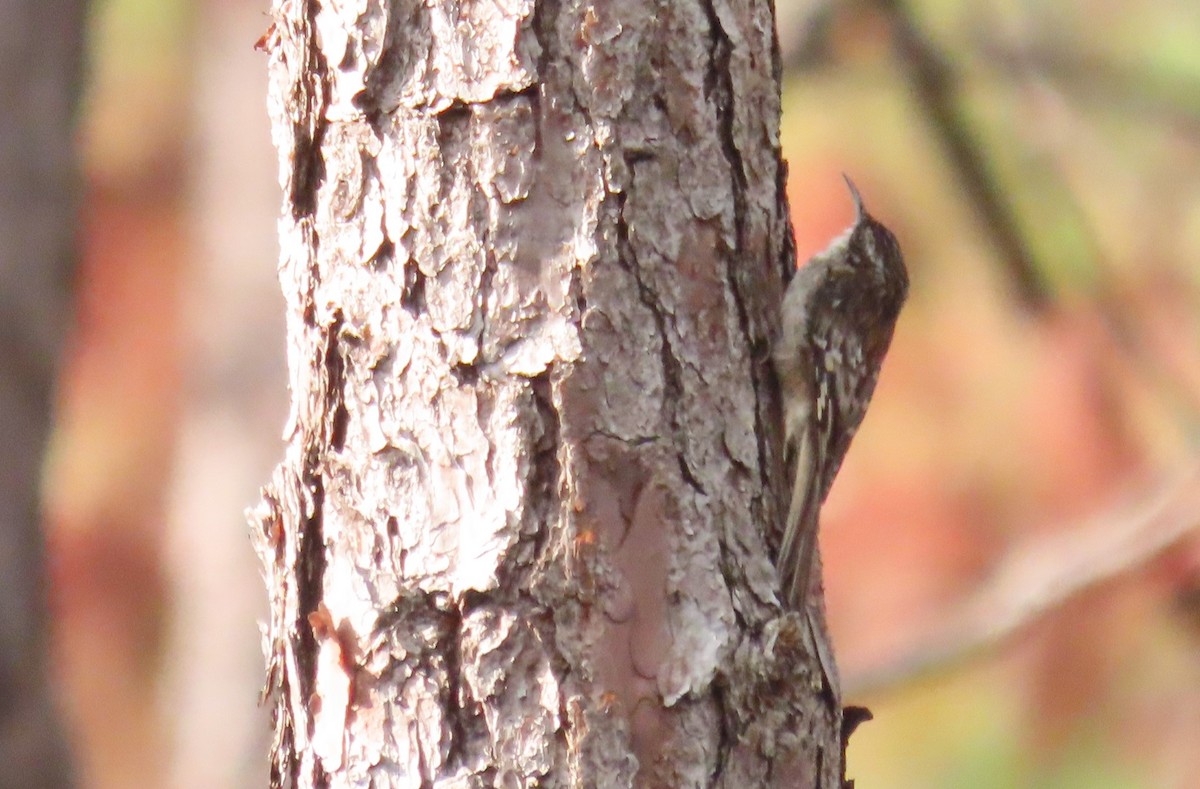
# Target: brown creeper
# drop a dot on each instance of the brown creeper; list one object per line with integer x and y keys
{"x": 838, "y": 316}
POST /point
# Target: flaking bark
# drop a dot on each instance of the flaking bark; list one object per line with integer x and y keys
{"x": 522, "y": 535}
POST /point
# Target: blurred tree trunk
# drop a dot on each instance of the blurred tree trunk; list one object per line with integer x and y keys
{"x": 40, "y": 59}
{"x": 233, "y": 402}
{"x": 523, "y": 530}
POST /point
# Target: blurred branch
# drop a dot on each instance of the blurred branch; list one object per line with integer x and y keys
{"x": 1125, "y": 328}
{"x": 932, "y": 83}
{"x": 1039, "y": 577}
{"x": 1130, "y": 92}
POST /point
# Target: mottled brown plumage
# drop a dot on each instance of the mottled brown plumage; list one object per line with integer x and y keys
{"x": 838, "y": 316}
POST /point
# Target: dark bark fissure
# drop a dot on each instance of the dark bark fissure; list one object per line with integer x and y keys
{"x": 413, "y": 299}
{"x": 384, "y": 256}
{"x": 310, "y": 574}
{"x": 719, "y": 87}
{"x": 543, "y": 31}
{"x": 311, "y": 555}
{"x": 308, "y": 173}
{"x": 720, "y": 93}
{"x": 726, "y": 737}
{"x": 309, "y": 165}
{"x": 335, "y": 366}
{"x": 404, "y": 624}
{"x": 465, "y": 724}
{"x": 542, "y": 499}
{"x": 673, "y": 388}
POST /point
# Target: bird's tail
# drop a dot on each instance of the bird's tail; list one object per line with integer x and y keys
{"x": 796, "y": 552}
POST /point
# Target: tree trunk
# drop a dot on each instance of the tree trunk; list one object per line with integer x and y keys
{"x": 522, "y": 535}
{"x": 41, "y": 50}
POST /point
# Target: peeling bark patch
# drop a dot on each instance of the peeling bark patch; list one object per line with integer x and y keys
{"x": 434, "y": 54}
{"x": 417, "y": 660}
{"x": 397, "y": 60}
{"x": 508, "y": 675}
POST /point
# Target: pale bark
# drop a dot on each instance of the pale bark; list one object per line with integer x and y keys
{"x": 523, "y": 531}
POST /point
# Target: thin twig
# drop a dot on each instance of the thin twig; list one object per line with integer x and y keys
{"x": 1040, "y": 577}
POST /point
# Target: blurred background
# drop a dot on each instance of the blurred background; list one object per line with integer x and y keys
{"x": 1011, "y": 553}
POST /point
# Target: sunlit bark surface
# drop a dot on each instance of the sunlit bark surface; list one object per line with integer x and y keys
{"x": 522, "y": 535}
